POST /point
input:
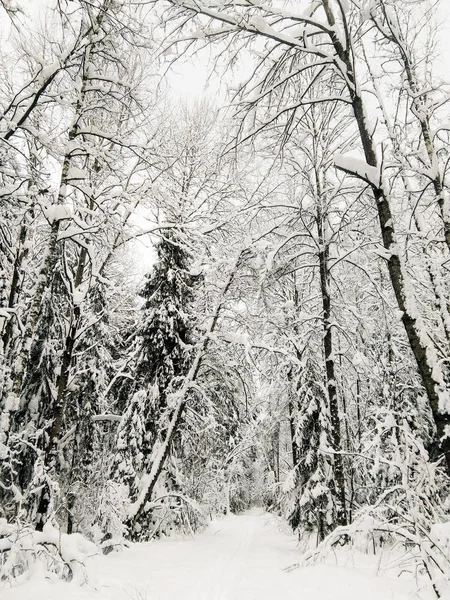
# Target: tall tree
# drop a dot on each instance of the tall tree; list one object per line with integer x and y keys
{"x": 163, "y": 355}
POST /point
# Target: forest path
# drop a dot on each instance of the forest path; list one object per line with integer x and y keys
{"x": 238, "y": 558}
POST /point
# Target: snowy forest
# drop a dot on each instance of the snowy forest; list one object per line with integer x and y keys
{"x": 229, "y": 299}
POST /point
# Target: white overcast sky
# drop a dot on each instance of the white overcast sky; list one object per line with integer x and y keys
{"x": 188, "y": 79}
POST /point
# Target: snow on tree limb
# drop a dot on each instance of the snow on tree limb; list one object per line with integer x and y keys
{"x": 358, "y": 168}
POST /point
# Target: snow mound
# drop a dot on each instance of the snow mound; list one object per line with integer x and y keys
{"x": 50, "y": 554}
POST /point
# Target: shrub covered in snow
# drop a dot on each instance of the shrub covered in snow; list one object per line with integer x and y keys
{"x": 25, "y": 551}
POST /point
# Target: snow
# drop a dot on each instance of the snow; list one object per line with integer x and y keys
{"x": 381, "y": 252}
{"x": 56, "y": 212}
{"x": 78, "y": 296}
{"x": 261, "y": 25}
{"x": 440, "y": 535}
{"x": 367, "y": 7}
{"x": 358, "y": 167}
{"x": 345, "y": 6}
{"x": 7, "y": 190}
{"x": 38, "y": 549}
{"x": 245, "y": 557}
{"x": 76, "y": 174}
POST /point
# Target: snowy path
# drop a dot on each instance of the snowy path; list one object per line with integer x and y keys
{"x": 239, "y": 558}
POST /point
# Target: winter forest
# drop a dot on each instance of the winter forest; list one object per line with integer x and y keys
{"x": 224, "y": 299}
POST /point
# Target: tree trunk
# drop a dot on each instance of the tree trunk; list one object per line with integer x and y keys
{"x": 338, "y": 467}
{"x": 51, "y": 449}
{"x": 21, "y": 254}
{"x": 420, "y": 109}
{"x": 419, "y": 341}
{"x": 292, "y": 426}
{"x": 181, "y": 396}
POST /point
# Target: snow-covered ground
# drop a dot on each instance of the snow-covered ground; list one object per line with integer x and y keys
{"x": 239, "y": 558}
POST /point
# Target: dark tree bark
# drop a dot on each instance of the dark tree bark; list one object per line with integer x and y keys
{"x": 58, "y": 410}
{"x": 292, "y": 426}
{"x": 324, "y": 250}
{"x": 419, "y": 341}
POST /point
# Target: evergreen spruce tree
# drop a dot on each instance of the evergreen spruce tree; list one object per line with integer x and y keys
{"x": 162, "y": 360}
{"x": 310, "y": 488}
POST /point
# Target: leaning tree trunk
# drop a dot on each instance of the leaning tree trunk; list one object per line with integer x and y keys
{"x": 180, "y": 397}
{"x": 437, "y": 284}
{"x": 419, "y": 340}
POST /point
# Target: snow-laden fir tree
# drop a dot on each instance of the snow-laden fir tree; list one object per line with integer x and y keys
{"x": 162, "y": 358}
{"x": 309, "y": 490}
